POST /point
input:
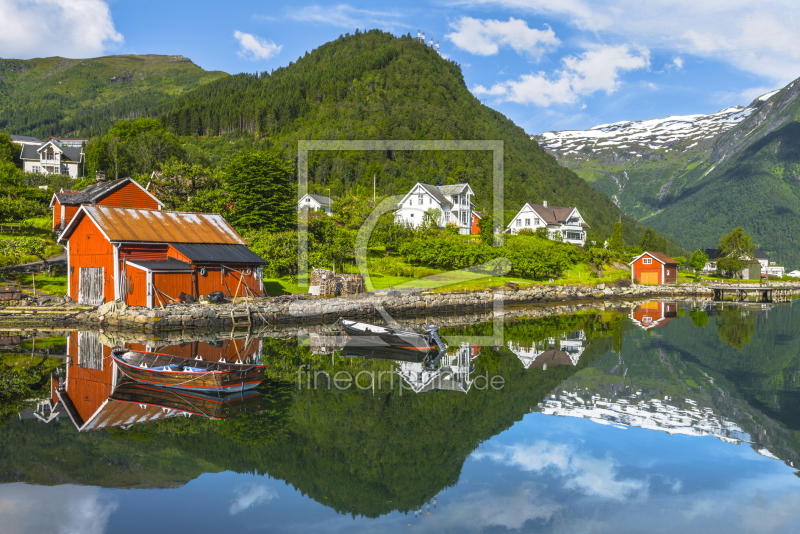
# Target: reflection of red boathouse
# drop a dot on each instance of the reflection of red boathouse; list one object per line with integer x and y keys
{"x": 91, "y": 376}
{"x": 654, "y": 314}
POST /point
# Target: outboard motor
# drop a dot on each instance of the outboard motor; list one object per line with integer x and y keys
{"x": 432, "y": 333}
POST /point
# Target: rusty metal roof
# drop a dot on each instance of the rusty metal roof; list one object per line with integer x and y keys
{"x": 154, "y": 226}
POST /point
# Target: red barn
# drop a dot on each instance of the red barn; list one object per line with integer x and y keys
{"x": 654, "y": 268}
{"x": 654, "y": 314}
{"x": 150, "y": 257}
{"x": 123, "y": 193}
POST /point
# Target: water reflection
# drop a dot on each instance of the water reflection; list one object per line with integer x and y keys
{"x": 602, "y": 413}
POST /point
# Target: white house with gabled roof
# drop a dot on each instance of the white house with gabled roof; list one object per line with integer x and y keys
{"x": 568, "y": 222}
{"x": 315, "y": 203}
{"x": 52, "y": 157}
{"x": 454, "y": 203}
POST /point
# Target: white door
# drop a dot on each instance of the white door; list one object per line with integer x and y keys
{"x": 90, "y": 286}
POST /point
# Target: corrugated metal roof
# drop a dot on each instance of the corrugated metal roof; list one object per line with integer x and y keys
{"x": 153, "y": 226}
{"x": 162, "y": 265}
{"x": 205, "y": 253}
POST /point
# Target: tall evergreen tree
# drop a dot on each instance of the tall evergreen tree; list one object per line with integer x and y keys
{"x": 617, "y": 240}
{"x": 262, "y": 192}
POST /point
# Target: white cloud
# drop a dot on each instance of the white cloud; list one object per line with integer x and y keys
{"x": 67, "y": 28}
{"x": 585, "y": 474}
{"x": 595, "y": 70}
{"x": 70, "y": 509}
{"x": 678, "y": 63}
{"x": 346, "y": 16}
{"x": 759, "y": 38}
{"x": 251, "y": 495}
{"x": 485, "y": 37}
{"x": 255, "y": 48}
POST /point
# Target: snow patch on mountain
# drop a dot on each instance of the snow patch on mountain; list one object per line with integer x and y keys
{"x": 679, "y": 132}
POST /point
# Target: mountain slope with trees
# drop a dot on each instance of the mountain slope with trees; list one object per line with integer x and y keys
{"x": 84, "y": 97}
{"x": 374, "y": 85}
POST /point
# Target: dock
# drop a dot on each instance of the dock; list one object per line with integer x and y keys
{"x": 763, "y": 293}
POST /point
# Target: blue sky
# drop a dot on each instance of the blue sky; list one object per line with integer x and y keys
{"x": 546, "y": 64}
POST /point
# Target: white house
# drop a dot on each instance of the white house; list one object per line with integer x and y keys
{"x": 453, "y": 202}
{"x": 565, "y": 221}
{"x": 315, "y": 203}
{"x": 53, "y": 158}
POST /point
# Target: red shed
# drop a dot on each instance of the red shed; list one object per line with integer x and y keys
{"x": 123, "y": 193}
{"x": 654, "y": 268}
{"x": 148, "y": 257}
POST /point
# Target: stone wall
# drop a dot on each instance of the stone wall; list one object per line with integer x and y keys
{"x": 302, "y": 309}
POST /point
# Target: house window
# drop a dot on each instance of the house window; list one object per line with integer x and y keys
{"x": 536, "y": 221}
{"x": 430, "y": 200}
{"x": 667, "y": 271}
{"x": 410, "y": 202}
{"x": 527, "y": 222}
{"x": 464, "y": 217}
{"x": 519, "y": 222}
{"x": 647, "y": 261}
{"x": 575, "y": 236}
{"x": 65, "y": 170}
{"x": 419, "y": 200}
{"x": 412, "y": 215}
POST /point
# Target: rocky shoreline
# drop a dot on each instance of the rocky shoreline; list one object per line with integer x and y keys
{"x": 303, "y": 309}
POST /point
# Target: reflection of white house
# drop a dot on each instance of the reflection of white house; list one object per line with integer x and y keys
{"x": 53, "y": 158}
{"x": 567, "y": 222}
{"x": 544, "y": 353}
{"x": 453, "y": 203}
{"x": 452, "y": 372}
{"x": 315, "y": 203}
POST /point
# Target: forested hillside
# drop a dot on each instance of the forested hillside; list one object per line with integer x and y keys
{"x": 376, "y": 86}
{"x": 84, "y": 97}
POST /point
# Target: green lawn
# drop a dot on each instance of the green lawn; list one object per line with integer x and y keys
{"x": 52, "y": 285}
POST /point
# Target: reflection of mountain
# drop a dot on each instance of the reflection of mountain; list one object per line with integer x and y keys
{"x": 692, "y": 380}
{"x": 638, "y": 411}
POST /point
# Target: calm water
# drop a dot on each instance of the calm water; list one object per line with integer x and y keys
{"x": 668, "y": 418}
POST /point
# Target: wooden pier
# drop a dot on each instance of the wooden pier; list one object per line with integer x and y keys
{"x": 761, "y": 292}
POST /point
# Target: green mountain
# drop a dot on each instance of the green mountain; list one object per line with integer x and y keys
{"x": 697, "y": 177}
{"x": 374, "y": 85}
{"x": 84, "y": 97}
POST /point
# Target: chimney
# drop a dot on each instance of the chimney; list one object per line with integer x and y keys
{"x": 100, "y": 176}
{"x": 544, "y": 204}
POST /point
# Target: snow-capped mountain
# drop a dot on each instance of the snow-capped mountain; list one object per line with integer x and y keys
{"x": 677, "y": 132}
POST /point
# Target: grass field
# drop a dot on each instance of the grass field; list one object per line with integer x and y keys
{"x": 51, "y": 285}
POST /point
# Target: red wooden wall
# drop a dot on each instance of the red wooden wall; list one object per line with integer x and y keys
{"x": 138, "y": 296}
{"x": 56, "y": 214}
{"x": 172, "y": 284}
{"x": 129, "y": 196}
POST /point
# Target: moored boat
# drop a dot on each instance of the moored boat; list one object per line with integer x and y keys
{"x": 381, "y": 336}
{"x": 189, "y": 374}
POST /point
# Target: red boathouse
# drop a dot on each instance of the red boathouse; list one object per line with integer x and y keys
{"x": 122, "y": 193}
{"x": 149, "y": 257}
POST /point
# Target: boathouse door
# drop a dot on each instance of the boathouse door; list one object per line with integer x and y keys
{"x": 649, "y": 278}
{"x": 90, "y": 286}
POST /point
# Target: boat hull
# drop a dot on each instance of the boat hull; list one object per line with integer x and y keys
{"x": 230, "y": 378}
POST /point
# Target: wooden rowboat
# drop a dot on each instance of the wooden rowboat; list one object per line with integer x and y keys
{"x": 188, "y": 374}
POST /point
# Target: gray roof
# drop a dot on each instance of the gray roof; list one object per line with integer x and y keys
{"x": 163, "y": 265}
{"x": 452, "y": 189}
{"x": 760, "y": 254}
{"x": 552, "y": 214}
{"x": 713, "y": 254}
{"x": 90, "y": 194}
{"x": 72, "y": 153}
{"x": 435, "y": 193}
{"x": 325, "y": 201}
{"x": 25, "y": 139}
{"x": 213, "y": 253}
